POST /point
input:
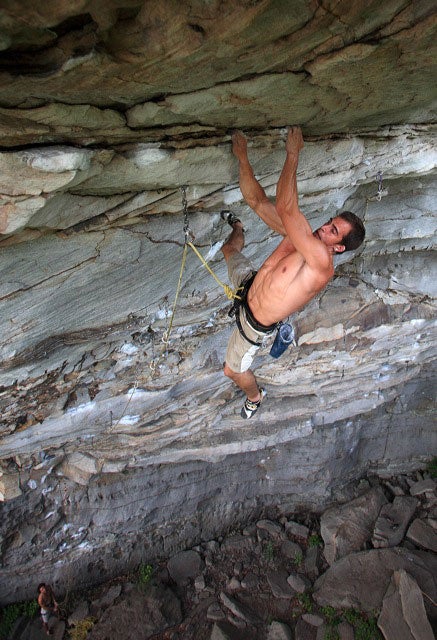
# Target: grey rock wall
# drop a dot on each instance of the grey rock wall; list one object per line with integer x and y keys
{"x": 74, "y": 524}
{"x": 114, "y": 448}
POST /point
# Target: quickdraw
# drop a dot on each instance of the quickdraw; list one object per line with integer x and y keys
{"x": 379, "y": 195}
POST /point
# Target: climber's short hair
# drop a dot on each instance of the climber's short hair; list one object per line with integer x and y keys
{"x": 356, "y": 235}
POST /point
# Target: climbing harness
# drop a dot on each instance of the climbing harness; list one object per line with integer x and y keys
{"x": 241, "y": 301}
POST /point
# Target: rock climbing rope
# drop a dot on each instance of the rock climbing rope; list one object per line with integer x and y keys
{"x": 123, "y": 413}
{"x": 189, "y": 237}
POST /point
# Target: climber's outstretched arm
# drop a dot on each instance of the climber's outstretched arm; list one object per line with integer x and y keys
{"x": 298, "y": 229}
{"x": 251, "y": 189}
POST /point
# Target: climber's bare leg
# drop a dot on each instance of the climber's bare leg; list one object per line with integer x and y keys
{"x": 235, "y": 242}
{"x": 246, "y": 381}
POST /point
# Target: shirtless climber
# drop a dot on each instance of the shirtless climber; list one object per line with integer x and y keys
{"x": 291, "y": 276}
{"x": 48, "y": 604}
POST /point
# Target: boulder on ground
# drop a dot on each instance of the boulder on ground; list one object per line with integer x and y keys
{"x": 360, "y": 580}
{"x": 239, "y": 610}
{"x": 347, "y": 527}
{"x": 423, "y": 534}
{"x": 305, "y": 631}
{"x": 80, "y": 612}
{"x": 403, "y": 614}
{"x": 139, "y": 615}
{"x": 291, "y": 550}
{"x": 279, "y": 585}
{"x": 392, "y": 521}
{"x": 184, "y": 566}
{"x": 423, "y": 486}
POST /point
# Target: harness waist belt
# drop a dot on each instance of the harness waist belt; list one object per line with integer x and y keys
{"x": 252, "y": 321}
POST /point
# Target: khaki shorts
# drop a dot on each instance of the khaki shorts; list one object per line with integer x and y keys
{"x": 240, "y": 353}
{"x": 45, "y": 615}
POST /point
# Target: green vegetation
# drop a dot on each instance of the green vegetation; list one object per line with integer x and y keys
{"x": 305, "y": 602}
{"x": 331, "y": 615}
{"x": 315, "y": 540}
{"x": 12, "y": 612}
{"x": 333, "y": 619}
{"x": 298, "y": 559}
{"x": 367, "y": 629}
{"x": 9, "y": 615}
{"x": 331, "y": 633}
{"x": 145, "y": 573}
{"x": 365, "y": 626}
{"x": 81, "y": 628}
{"x": 351, "y": 616}
{"x": 29, "y": 609}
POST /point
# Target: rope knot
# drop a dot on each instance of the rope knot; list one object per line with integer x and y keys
{"x": 229, "y": 291}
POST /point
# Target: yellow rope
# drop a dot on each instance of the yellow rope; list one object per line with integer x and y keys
{"x": 231, "y": 294}
{"x": 166, "y": 336}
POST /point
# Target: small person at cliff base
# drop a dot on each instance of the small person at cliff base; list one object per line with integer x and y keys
{"x": 48, "y": 604}
{"x": 292, "y": 275}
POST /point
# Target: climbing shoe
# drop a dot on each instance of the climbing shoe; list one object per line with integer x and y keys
{"x": 249, "y": 407}
{"x": 229, "y": 217}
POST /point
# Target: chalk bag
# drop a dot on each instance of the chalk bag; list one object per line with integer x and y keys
{"x": 284, "y": 337}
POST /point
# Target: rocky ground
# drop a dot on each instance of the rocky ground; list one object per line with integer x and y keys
{"x": 364, "y": 569}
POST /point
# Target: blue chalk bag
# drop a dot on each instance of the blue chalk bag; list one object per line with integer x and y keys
{"x": 284, "y": 337}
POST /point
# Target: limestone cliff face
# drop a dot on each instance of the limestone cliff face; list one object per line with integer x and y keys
{"x": 115, "y": 449}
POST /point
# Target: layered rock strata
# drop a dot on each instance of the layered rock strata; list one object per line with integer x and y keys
{"x": 103, "y": 73}
{"x": 95, "y": 408}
